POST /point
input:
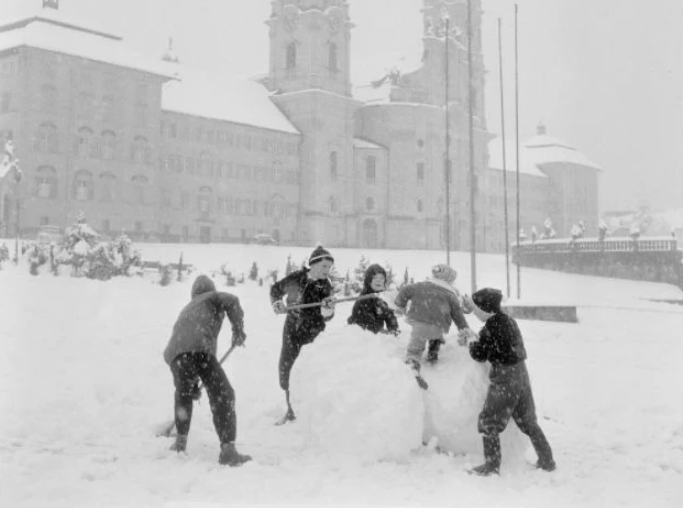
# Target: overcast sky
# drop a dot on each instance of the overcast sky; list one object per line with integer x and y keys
{"x": 605, "y": 76}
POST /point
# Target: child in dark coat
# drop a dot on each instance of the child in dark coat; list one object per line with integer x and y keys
{"x": 191, "y": 355}
{"x": 374, "y": 314}
{"x": 302, "y": 326}
{"x": 509, "y": 394}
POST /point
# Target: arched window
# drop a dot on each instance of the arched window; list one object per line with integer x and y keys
{"x": 333, "y": 166}
{"x": 419, "y": 205}
{"x": 140, "y": 152}
{"x": 370, "y": 169}
{"x": 370, "y": 204}
{"x": 333, "y": 204}
{"x": 85, "y": 139}
{"x": 138, "y": 188}
{"x": 108, "y": 144}
{"x": 83, "y": 187}
{"x": 107, "y": 187}
{"x": 46, "y": 182}
{"x": 46, "y": 138}
{"x": 291, "y": 56}
{"x": 334, "y": 64}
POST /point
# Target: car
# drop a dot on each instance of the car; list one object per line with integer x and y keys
{"x": 263, "y": 239}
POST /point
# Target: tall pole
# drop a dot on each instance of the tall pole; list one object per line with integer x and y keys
{"x": 519, "y": 273}
{"x": 473, "y": 182}
{"x": 447, "y": 158}
{"x": 505, "y": 169}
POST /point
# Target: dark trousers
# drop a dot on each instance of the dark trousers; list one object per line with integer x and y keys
{"x": 295, "y": 334}
{"x": 186, "y": 368}
{"x": 510, "y": 395}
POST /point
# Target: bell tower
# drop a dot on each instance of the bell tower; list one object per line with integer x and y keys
{"x": 310, "y": 46}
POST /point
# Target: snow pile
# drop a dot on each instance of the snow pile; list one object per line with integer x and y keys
{"x": 366, "y": 405}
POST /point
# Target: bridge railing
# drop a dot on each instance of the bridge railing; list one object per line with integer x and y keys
{"x": 647, "y": 244}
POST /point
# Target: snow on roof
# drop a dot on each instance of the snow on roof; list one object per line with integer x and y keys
{"x": 231, "y": 99}
{"x": 545, "y": 149}
{"x": 45, "y": 34}
{"x": 373, "y": 94}
{"x": 364, "y": 143}
{"x": 527, "y": 165}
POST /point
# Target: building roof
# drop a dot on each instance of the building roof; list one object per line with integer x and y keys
{"x": 52, "y": 32}
{"x": 545, "y": 149}
{"x": 232, "y": 99}
{"x": 535, "y": 153}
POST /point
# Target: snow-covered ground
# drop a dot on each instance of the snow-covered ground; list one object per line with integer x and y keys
{"x": 83, "y": 386}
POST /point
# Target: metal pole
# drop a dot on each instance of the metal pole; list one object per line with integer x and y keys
{"x": 519, "y": 273}
{"x": 473, "y": 183}
{"x": 505, "y": 169}
{"x": 17, "y": 226}
{"x": 447, "y": 159}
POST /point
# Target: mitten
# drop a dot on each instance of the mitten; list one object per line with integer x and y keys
{"x": 327, "y": 308}
{"x": 238, "y": 338}
{"x": 466, "y": 336}
{"x": 279, "y": 307}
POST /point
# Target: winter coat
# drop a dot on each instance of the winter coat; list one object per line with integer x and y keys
{"x": 432, "y": 302}
{"x": 500, "y": 342}
{"x": 300, "y": 288}
{"x": 374, "y": 313}
{"x": 199, "y": 323}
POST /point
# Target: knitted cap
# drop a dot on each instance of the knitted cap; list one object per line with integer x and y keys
{"x": 444, "y": 272}
{"x": 488, "y": 300}
{"x": 319, "y": 254}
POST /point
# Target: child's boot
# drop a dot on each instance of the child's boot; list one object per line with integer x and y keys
{"x": 543, "y": 450}
{"x": 492, "y": 456}
{"x": 180, "y": 443}
{"x": 433, "y": 351}
{"x": 231, "y": 457}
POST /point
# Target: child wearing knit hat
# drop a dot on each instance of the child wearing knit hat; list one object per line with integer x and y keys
{"x": 434, "y": 305}
{"x": 509, "y": 395}
{"x": 302, "y": 326}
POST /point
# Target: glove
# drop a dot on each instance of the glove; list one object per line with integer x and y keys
{"x": 466, "y": 336}
{"x": 279, "y": 307}
{"x": 196, "y": 391}
{"x": 238, "y": 338}
{"x": 468, "y": 305}
{"x": 395, "y": 333}
{"x": 327, "y": 308}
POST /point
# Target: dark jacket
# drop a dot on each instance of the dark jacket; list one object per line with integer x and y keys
{"x": 199, "y": 323}
{"x": 432, "y": 303}
{"x": 373, "y": 314}
{"x": 500, "y": 342}
{"x": 300, "y": 288}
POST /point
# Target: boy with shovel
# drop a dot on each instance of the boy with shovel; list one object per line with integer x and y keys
{"x": 191, "y": 355}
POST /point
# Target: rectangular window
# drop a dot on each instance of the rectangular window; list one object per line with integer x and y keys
{"x": 370, "y": 169}
{"x": 44, "y": 220}
{"x": 420, "y": 173}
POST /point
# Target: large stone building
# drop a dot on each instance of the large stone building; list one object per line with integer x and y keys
{"x": 149, "y": 148}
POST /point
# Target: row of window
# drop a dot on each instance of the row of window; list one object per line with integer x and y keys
{"x": 207, "y": 166}
{"x": 332, "y": 57}
{"x": 171, "y": 130}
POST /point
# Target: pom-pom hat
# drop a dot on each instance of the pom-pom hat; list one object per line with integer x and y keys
{"x": 444, "y": 272}
{"x": 320, "y": 254}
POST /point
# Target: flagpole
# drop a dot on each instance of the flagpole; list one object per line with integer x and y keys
{"x": 473, "y": 183}
{"x": 447, "y": 161}
{"x": 505, "y": 170}
{"x": 519, "y": 273}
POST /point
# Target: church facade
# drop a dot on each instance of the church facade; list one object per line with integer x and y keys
{"x": 147, "y": 148}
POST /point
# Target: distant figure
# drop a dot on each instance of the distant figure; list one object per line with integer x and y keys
{"x": 602, "y": 231}
{"x": 534, "y": 234}
{"x": 577, "y": 232}
{"x": 548, "y": 231}
{"x": 522, "y": 235}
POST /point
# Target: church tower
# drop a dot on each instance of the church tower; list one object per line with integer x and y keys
{"x": 310, "y": 45}
{"x": 309, "y": 78}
